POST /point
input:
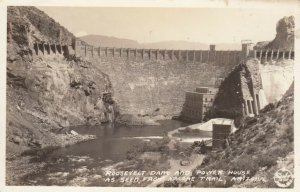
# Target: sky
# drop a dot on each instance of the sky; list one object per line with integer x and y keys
{"x": 154, "y": 24}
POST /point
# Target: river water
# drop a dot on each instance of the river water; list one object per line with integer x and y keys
{"x": 113, "y": 141}
{"x": 75, "y": 164}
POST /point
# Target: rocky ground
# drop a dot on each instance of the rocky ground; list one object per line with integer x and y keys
{"x": 29, "y": 133}
{"x": 263, "y": 145}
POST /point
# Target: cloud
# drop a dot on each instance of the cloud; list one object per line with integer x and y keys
{"x": 81, "y": 33}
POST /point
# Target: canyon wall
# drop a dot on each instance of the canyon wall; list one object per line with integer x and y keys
{"x": 46, "y": 93}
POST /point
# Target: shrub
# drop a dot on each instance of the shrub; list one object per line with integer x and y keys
{"x": 268, "y": 107}
{"x": 40, "y": 152}
{"x": 209, "y": 158}
{"x": 250, "y": 150}
{"x": 206, "y": 160}
{"x": 170, "y": 184}
{"x": 260, "y": 137}
{"x": 199, "y": 147}
{"x": 240, "y": 140}
{"x": 244, "y": 163}
{"x": 281, "y": 150}
{"x": 288, "y": 134}
{"x": 266, "y": 161}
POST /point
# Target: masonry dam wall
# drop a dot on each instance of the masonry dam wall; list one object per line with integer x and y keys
{"x": 147, "y": 81}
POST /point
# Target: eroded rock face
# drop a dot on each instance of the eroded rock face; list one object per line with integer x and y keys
{"x": 46, "y": 93}
{"x": 28, "y": 24}
{"x": 284, "y": 35}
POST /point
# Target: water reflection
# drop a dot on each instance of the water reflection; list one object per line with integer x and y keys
{"x": 112, "y": 139}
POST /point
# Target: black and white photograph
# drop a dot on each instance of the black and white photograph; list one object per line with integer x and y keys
{"x": 149, "y": 95}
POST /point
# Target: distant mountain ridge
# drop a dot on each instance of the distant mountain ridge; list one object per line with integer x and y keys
{"x": 106, "y": 41}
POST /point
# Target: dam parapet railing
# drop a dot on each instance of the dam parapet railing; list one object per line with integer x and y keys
{"x": 87, "y": 51}
{"x": 81, "y": 49}
{"x": 269, "y": 55}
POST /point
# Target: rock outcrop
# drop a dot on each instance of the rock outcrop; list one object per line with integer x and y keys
{"x": 29, "y": 24}
{"x": 46, "y": 93}
{"x": 284, "y": 35}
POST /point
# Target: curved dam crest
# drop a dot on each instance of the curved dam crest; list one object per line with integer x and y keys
{"x": 154, "y": 81}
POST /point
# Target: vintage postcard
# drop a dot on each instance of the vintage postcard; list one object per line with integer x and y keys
{"x": 149, "y": 94}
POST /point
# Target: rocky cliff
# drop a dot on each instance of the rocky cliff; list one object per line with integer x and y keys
{"x": 47, "y": 93}
{"x": 29, "y": 24}
{"x": 284, "y": 35}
